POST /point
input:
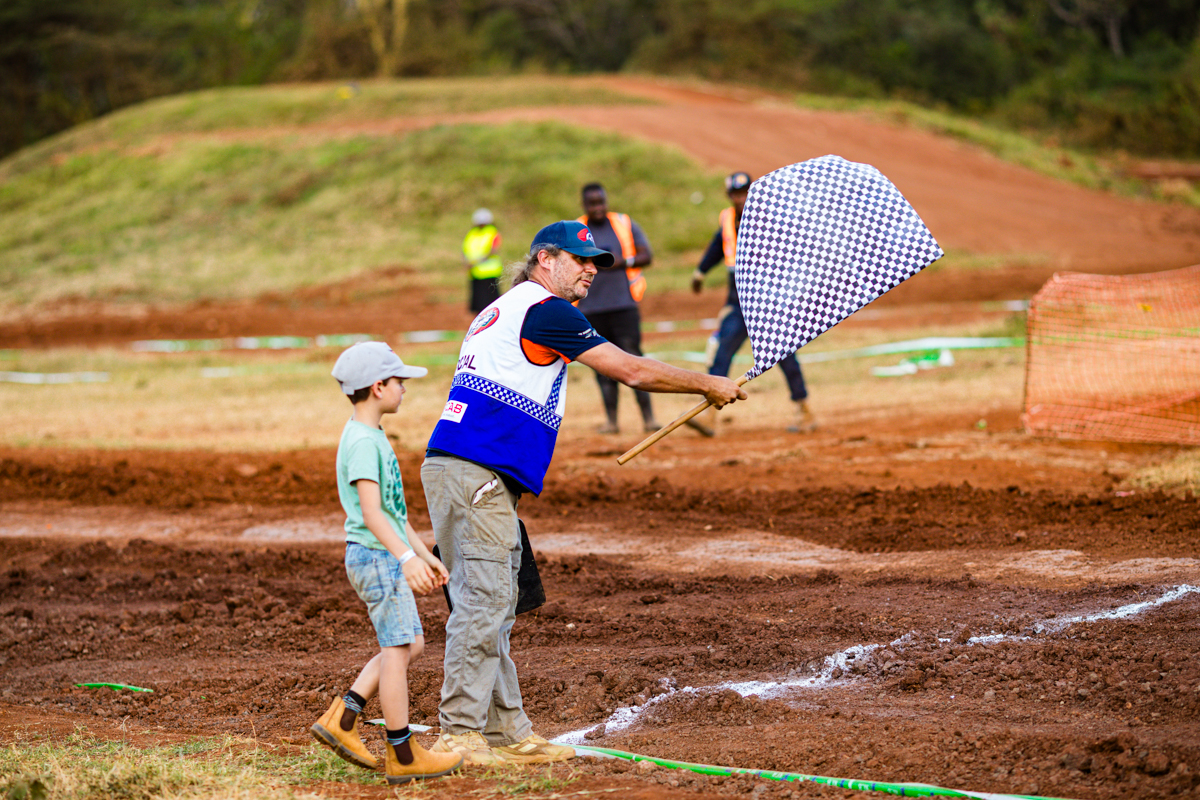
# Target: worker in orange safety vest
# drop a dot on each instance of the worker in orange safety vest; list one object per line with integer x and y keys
{"x": 611, "y": 305}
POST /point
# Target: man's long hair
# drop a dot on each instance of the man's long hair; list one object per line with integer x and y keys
{"x": 519, "y": 271}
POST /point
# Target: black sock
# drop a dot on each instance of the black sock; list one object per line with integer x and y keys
{"x": 354, "y": 702}
{"x": 398, "y": 741}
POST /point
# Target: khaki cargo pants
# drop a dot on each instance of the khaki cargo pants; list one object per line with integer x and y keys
{"x": 475, "y": 523}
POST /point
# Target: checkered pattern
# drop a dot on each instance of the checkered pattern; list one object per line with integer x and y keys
{"x": 552, "y": 400}
{"x": 541, "y": 413}
{"x": 819, "y": 240}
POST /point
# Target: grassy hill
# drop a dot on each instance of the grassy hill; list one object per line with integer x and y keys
{"x": 232, "y": 193}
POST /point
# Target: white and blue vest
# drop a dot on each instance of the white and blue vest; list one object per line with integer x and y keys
{"x": 504, "y": 411}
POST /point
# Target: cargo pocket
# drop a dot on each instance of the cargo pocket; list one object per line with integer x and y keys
{"x": 487, "y": 494}
{"x": 491, "y": 516}
{"x": 487, "y": 569}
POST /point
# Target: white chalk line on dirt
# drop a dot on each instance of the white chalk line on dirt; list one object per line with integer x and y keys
{"x": 625, "y": 717}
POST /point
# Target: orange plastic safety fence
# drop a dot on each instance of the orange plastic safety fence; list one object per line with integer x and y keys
{"x": 1115, "y": 358}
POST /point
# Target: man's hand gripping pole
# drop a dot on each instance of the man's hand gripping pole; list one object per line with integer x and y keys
{"x": 661, "y": 432}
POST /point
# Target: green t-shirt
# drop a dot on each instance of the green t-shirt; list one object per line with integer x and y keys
{"x": 365, "y": 454}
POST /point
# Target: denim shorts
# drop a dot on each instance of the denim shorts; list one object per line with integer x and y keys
{"x": 379, "y": 581}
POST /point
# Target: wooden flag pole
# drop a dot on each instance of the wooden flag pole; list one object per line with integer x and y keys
{"x": 661, "y": 432}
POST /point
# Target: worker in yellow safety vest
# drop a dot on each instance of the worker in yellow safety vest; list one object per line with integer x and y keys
{"x": 480, "y": 252}
{"x": 731, "y": 331}
{"x": 611, "y": 305}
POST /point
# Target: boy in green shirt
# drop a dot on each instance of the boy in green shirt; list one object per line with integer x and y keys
{"x": 386, "y": 563}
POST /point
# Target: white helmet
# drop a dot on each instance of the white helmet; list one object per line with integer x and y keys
{"x": 482, "y": 217}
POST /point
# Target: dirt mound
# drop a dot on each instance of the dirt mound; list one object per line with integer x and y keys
{"x": 399, "y": 303}
{"x": 863, "y": 520}
{"x": 939, "y": 517}
{"x": 172, "y": 479}
{"x": 866, "y": 520}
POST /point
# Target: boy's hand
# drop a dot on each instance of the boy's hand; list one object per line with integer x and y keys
{"x": 440, "y": 576}
{"x": 421, "y": 579}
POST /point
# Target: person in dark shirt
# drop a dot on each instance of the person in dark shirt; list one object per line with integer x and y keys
{"x": 612, "y": 304}
{"x": 731, "y": 333}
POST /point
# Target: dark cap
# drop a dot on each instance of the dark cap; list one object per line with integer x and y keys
{"x": 736, "y": 181}
{"x": 575, "y": 238}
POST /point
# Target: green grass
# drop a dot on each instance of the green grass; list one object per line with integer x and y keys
{"x": 233, "y": 193}
{"x": 513, "y": 780}
{"x": 86, "y": 768}
{"x": 956, "y": 260}
{"x": 1179, "y": 476}
{"x": 1090, "y": 170}
{"x": 209, "y": 218}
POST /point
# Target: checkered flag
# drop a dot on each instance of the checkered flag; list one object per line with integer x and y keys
{"x": 819, "y": 240}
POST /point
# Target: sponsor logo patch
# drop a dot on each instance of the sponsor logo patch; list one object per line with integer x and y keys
{"x": 484, "y": 321}
{"x": 454, "y": 411}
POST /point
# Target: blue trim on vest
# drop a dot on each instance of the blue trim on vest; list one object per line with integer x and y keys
{"x": 544, "y": 414}
{"x": 552, "y": 402}
{"x": 502, "y": 429}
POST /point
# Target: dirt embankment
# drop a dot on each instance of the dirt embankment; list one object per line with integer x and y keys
{"x": 863, "y": 520}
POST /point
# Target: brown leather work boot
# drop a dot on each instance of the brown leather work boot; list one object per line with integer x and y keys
{"x": 533, "y": 749}
{"x": 346, "y": 744}
{"x": 424, "y": 764}
{"x": 470, "y": 745}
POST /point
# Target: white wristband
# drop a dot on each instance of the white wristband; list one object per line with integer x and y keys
{"x": 404, "y": 558}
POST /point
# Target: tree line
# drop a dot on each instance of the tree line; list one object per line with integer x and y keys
{"x": 1098, "y": 73}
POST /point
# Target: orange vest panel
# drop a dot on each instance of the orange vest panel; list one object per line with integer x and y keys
{"x": 729, "y": 236}
{"x": 623, "y": 227}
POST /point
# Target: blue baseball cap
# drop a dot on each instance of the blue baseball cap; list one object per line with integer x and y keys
{"x": 737, "y": 181}
{"x": 575, "y": 238}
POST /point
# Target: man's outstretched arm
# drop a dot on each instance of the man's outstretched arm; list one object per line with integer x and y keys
{"x": 655, "y": 376}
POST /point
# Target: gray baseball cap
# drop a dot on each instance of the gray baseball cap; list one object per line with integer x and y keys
{"x": 360, "y": 365}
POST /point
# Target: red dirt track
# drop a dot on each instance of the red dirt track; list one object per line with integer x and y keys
{"x": 225, "y": 602}
{"x": 970, "y": 567}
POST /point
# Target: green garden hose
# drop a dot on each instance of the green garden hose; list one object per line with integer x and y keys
{"x": 898, "y": 789}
